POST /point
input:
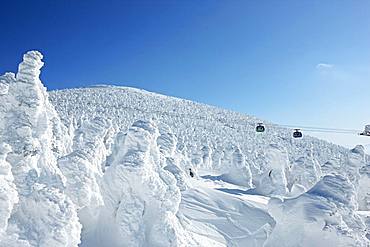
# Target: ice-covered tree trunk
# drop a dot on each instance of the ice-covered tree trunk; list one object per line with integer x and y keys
{"x": 31, "y": 127}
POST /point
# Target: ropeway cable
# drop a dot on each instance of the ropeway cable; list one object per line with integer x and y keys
{"x": 329, "y": 131}
{"x": 318, "y": 129}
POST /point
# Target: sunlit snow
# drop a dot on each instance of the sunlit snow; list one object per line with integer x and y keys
{"x": 118, "y": 166}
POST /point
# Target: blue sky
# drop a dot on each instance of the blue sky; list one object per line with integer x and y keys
{"x": 291, "y": 62}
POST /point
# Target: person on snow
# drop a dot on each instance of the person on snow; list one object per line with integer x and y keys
{"x": 191, "y": 173}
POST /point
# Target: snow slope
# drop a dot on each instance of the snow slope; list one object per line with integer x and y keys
{"x": 112, "y": 166}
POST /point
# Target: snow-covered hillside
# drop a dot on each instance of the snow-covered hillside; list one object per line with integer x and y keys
{"x": 118, "y": 166}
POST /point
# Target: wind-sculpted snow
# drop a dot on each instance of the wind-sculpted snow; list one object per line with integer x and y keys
{"x": 355, "y": 166}
{"x": 83, "y": 167}
{"x": 140, "y": 197}
{"x": 8, "y": 192}
{"x": 208, "y": 136}
{"x": 360, "y": 176}
{"x": 364, "y": 188}
{"x": 5, "y": 80}
{"x": 115, "y": 166}
{"x": 43, "y": 216}
{"x": 270, "y": 179}
{"x": 171, "y": 159}
{"x": 217, "y": 144}
{"x": 305, "y": 172}
{"x": 239, "y": 171}
{"x": 213, "y": 143}
{"x": 324, "y": 216}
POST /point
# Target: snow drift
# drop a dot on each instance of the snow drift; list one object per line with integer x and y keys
{"x": 323, "y": 216}
{"x": 116, "y": 166}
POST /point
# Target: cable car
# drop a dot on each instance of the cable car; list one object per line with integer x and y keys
{"x": 297, "y": 133}
{"x": 366, "y": 131}
{"x": 260, "y": 128}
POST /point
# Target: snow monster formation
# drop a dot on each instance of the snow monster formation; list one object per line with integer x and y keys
{"x": 53, "y": 180}
{"x": 31, "y": 138}
{"x": 83, "y": 166}
{"x": 8, "y": 193}
{"x": 140, "y": 197}
{"x": 270, "y": 176}
{"x": 304, "y": 173}
{"x": 113, "y": 179}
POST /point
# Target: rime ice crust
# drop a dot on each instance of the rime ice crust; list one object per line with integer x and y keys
{"x": 43, "y": 214}
{"x": 140, "y": 197}
{"x": 83, "y": 166}
{"x": 8, "y": 192}
{"x": 120, "y": 171}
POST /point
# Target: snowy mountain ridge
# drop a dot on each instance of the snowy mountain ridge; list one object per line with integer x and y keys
{"x": 117, "y": 166}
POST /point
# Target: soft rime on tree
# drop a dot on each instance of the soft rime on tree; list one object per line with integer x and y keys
{"x": 29, "y": 126}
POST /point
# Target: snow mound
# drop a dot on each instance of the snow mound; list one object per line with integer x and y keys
{"x": 323, "y": 216}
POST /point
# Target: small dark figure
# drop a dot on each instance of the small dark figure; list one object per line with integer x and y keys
{"x": 270, "y": 173}
{"x": 191, "y": 173}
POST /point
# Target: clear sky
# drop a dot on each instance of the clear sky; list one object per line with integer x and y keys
{"x": 291, "y": 62}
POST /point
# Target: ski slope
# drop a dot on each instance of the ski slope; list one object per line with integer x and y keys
{"x": 110, "y": 166}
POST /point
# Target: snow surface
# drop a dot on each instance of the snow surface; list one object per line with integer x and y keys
{"x": 110, "y": 166}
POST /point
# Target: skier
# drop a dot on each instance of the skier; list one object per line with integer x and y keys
{"x": 191, "y": 173}
{"x": 270, "y": 173}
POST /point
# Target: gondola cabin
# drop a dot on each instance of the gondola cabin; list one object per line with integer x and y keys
{"x": 297, "y": 133}
{"x": 260, "y": 128}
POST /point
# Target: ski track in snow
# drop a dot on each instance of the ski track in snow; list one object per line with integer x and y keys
{"x": 110, "y": 166}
